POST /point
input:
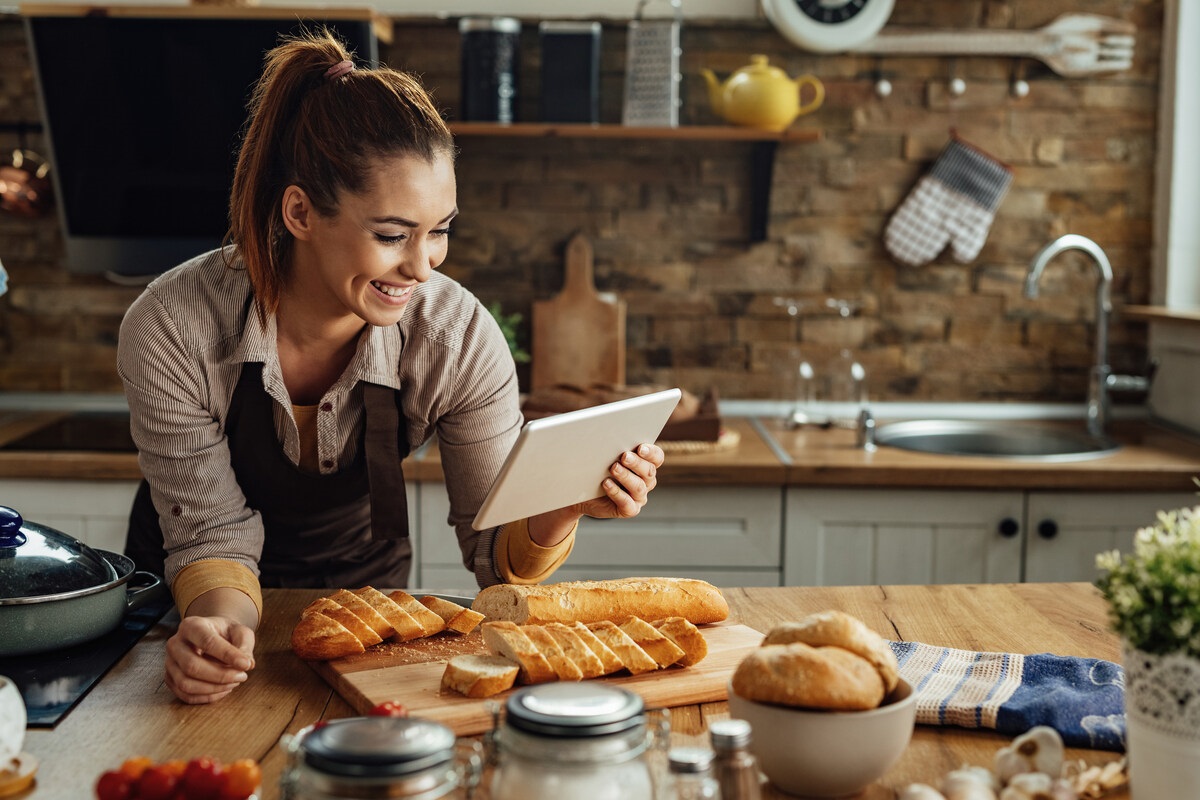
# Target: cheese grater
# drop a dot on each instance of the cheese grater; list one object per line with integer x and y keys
{"x": 652, "y": 69}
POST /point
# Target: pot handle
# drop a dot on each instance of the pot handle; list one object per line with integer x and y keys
{"x": 138, "y": 597}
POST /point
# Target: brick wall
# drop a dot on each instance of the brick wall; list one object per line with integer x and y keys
{"x": 670, "y": 220}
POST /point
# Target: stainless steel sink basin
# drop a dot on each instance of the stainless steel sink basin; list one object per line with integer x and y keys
{"x": 1029, "y": 441}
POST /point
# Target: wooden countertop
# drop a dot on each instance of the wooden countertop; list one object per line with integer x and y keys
{"x": 1152, "y": 458}
{"x": 131, "y": 712}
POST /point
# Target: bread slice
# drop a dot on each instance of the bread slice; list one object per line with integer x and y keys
{"x": 508, "y": 640}
{"x": 686, "y": 636}
{"x": 660, "y": 648}
{"x": 406, "y": 627}
{"x": 603, "y": 652}
{"x": 430, "y": 622}
{"x": 319, "y": 637}
{"x": 587, "y": 661}
{"x": 456, "y": 617}
{"x": 351, "y": 621}
{"x": 560, "y": 662}
{"x": 364, "y": 611}
{"x": 632, "y": 656}
{"x": 479, "y": 676}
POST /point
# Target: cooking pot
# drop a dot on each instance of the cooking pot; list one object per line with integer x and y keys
{"x": 55, "y": 591}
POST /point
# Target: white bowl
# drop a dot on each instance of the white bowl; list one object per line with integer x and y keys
{"x": 828, "y": 753}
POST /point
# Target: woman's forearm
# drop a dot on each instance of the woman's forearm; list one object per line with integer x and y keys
{"x": 228, "y": 603}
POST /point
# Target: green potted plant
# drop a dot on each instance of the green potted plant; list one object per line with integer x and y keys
{"x": 1153, "y": 595}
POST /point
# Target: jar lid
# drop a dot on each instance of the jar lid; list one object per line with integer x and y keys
{"x": 574, "y": 709}
{"x": 497, "y": 24}
{"x": 378, "y": 747}
{"x": 37, "y": 561}
{"x": 689, "y": 760}
{"x": 729, "y": 734}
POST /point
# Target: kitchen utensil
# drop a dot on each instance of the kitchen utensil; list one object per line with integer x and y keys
{"x": 25, "y": 188}
{"x": 1073, "y": 45}
{"x": 578, "y": 336}
{"x": 762, "y": 96}
{"x": 570, "y": 71}
{"x": 56, "y": 591}
{"x": 652, "y": 73}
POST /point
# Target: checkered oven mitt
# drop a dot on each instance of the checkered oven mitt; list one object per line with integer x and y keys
{"x": 954, "y": 203}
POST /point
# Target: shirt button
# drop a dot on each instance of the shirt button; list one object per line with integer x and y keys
{"x": 327, "y": 406}
{"x": 176, "y": 511}
{"x": 327, "y": 464}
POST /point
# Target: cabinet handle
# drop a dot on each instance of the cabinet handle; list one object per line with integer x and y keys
{"x": 1047, "y": 529}
{"x": 1008, "y": 527}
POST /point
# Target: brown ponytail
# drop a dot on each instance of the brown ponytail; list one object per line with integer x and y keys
{"x": 321, "y": 134}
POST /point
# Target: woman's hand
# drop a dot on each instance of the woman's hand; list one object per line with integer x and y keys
{"x": 208, "y": 657}
{"x": 632, "y": 479}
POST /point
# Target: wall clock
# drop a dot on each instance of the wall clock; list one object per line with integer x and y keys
{"x": 828, "y": 26}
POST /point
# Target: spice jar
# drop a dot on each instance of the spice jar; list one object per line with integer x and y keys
{"x": 735, "y": 767}
{"x": 379, "y": 757}
{"x": 574, "y": 740}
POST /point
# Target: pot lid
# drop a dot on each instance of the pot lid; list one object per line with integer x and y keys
{"x": 36, "y": 560}
{"x": 378, "y": 747}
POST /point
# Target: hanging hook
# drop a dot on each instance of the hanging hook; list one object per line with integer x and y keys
{"x": 1018, "y": 86}
{"x": 883, "y": 86}
{"x": 957, "y": 86}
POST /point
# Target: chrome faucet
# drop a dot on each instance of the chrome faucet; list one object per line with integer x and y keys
{"x": 1101, "y": 379}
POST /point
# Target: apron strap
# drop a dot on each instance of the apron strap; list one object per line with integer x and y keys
{"x": 386, "y": 445}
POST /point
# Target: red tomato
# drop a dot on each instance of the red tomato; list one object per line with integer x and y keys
{"x": 389, "y": 708}
{"x": 133, "y": 768}
{"x": 114, "y": 785}
{"x": 202, "y": 779}
{"x": 175, "y": 766}
{"x": 242, "y": 778}
{"x": 158, "y": 783}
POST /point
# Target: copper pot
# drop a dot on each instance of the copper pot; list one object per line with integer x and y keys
{"x": 25, "y": 188}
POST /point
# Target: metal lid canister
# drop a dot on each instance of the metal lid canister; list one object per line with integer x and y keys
{"x": 491, "y": 59}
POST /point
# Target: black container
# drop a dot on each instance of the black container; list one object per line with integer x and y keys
{"x": 570, "y": 71}
{"x": 491, "y": 58}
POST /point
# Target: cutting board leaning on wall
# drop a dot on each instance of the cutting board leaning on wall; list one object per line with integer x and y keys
{"x": 578, "y": 336}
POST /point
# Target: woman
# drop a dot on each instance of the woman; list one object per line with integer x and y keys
{"x": 276, "y": 384}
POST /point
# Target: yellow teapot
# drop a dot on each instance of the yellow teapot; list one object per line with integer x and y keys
{"x": 762, "y": 96}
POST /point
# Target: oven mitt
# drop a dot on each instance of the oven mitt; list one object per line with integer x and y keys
{"x": 1081, "y": 698}
{"x": 955, "y": 203}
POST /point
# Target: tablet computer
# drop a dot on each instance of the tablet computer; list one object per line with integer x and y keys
{"x": 563, "y": 459}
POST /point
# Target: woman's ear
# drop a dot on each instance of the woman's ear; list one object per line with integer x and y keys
{"x": 297, "y": 212}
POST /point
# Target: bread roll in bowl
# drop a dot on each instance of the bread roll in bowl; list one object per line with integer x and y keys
{"x": 800, "y": 675}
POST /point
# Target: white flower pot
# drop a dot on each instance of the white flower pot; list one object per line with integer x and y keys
{"x": 1162, "y": 716}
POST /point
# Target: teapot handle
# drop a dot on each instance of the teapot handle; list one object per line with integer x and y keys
{"x": 818, "y": 93}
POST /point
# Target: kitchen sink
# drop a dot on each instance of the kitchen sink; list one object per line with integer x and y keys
{"x": 1028, "y": 441}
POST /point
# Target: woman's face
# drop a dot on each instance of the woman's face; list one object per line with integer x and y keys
{"x": 370, "y": 256}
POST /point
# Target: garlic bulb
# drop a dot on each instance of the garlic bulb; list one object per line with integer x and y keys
{"x": 1039, "y": 749}
{"x": 919, "y": 791}
{"x": 1037, "y": 786}
{"x": 970, "y": 783}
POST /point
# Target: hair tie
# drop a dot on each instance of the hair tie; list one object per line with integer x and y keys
{"x": 339, "y": 69}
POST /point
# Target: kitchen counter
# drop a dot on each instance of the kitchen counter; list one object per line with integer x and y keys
{"x": 131, "y": 712}
{"x": 769, "y": 453}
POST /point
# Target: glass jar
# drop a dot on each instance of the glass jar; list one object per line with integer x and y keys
{"x": 379, "y": 757}
{"x": 563, "y": 740}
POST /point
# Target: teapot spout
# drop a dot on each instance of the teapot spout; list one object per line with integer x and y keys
{"x": 716, "y": 97}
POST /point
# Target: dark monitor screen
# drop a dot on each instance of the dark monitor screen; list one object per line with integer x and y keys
{"x": 144, "y": 117}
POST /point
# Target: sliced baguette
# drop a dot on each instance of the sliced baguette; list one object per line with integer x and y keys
{"x": 457, "y": 618}
{"x": 560, "y": 662}
{"x": 576, "y": 650}
{"x": 506, "y": 639}
{"x": 405, "y": 625}
{"x": 658, "y": 646}
{"x": 633, "y": 657}
{"x": 430, "y": 622}
{"x": 603, "y": 652}
{"x": 479, "y": 676}
{"x": 592, "y": 601}
{"x": 365, "y": 612}
{"x": 320, "y": 637}
{"x": 686, "y": 636}
{"x": 351, "y": 621}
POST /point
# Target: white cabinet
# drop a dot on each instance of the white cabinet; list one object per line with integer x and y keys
{"x": 95, "y": 512}
{"x": 729, "y": 536}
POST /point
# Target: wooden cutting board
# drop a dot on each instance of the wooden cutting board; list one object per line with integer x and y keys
{"x": 411, "y": 674}
{"x": 578, "y": 336}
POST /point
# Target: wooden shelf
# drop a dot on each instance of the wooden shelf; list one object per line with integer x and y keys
{"x": 1161, "y": 314}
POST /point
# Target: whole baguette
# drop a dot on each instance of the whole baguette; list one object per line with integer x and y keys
{"x": 592, "y": 601}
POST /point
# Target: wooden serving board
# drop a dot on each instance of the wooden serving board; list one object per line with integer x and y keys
{"x": 411, "y": 674}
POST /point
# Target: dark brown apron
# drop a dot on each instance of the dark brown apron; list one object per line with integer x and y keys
{"x": 343, "y": 530}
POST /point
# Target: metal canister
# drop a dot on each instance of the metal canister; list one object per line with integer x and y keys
{"x": 491, "y": 59}
{"x": 379, "y": 757}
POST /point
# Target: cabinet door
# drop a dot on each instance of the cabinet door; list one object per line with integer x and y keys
{"x": 864, "y": 536}
{"x": 94, "y": 512}
{"x": 1067, "y": 530}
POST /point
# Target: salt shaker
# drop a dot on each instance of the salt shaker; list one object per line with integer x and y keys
{"x": 691, "y": 774}
{"x": 734, "y": 766}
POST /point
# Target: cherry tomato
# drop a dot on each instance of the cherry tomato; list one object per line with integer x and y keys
{"x": 202, "y": 779}
{"x": 133, "y": 768}
{"x": 114, "y": 785}
{"x": 158, "y": 783}
{"x": 176, "y": 767}
{"x": 389, "y": 708}
{"x": 242, "y": 778}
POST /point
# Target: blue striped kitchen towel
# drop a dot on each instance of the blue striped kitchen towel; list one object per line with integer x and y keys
{"x": 1081, "y": 698}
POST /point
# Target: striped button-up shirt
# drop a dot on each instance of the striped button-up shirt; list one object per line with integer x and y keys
{"x": 182, "y": 346}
